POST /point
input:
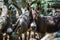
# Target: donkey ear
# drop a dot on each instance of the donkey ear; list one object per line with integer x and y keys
{"x": 22, "y": 9}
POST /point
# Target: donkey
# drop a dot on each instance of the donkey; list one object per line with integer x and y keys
{"x": 5, "y": 23}
{"x": 46, "y": 24}
{"x": 23, "y": 22}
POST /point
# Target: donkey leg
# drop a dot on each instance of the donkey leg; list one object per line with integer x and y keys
{"x": 4, "y": 36}
{"x": 26, "y": 36}
{"x": 29, "y": 34}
